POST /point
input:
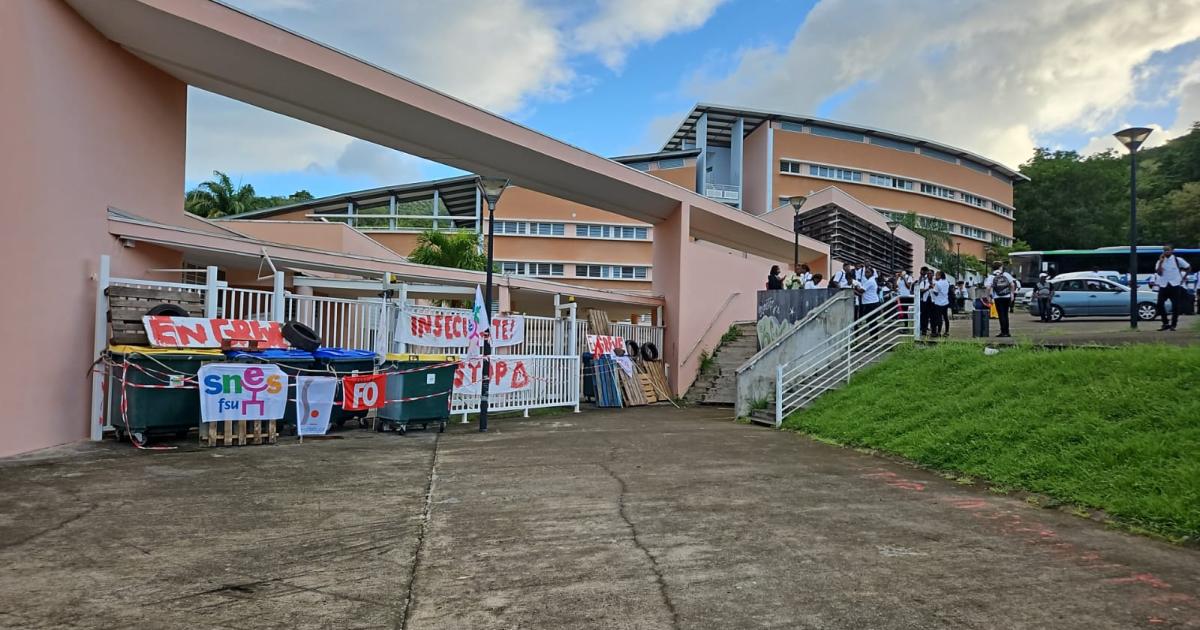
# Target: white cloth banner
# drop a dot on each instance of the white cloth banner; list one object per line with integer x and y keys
{"x": 454, "y": 329}
{"x": 508, "y": 375}
{"x": 314, "y": 402}
{"x": 242, "y": 391}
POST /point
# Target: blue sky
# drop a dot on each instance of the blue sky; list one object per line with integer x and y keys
{"x": 615, "y": 76}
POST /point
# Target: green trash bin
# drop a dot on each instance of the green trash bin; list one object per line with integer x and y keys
{"x": 294, "y": 362}
{"x": 430, "y": 387}
{"x": 344, "y": 362}
{"x": 172, "y": 407}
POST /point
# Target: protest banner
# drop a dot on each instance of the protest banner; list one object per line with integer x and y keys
{"x": 201, "y": 332}
{"x": 242, "y": 391}
{"x": 600, "y": 345}
{"x": 367, "y": 391}
{"x": 314, "y": 403}
{"x": 508, "y": 375}
{"x": 443, "y": 330}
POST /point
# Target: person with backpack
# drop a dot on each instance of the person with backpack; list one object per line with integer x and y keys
{"x": 1001, "y": 286}
{"x": 1170, "y": 271}
{"x": 841, "y": 279}
{"x": 1044, "y": 292}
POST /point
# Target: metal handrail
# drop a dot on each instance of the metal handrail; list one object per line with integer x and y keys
{"x": 716, "y": 317}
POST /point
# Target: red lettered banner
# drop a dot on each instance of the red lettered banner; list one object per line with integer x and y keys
{"x": 200, "y": 332}
{"x": 444, "y": 330}
{"x": 508, "y": 375}
{"x": 368, "y": 391}
{"x": 604, "y": 344}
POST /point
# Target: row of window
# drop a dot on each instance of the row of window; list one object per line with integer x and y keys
{"x": 899, "y": 145}
{"x": 660, "y": 164}
{"x": 623, "y": 232}
{"x": 587, "y": 230}
{"x": 545, "y": 269}
{"x": 829, "y": 172}
{"x": 933, "y": 223}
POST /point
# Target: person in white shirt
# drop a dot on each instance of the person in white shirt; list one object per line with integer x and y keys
{"x": 904, "y": 284}
{"x": 814, "y": 282}
{"x": 841, "y": 278}
{"x": 1000, "y": 287}
{"x": 1170, "y": 271}
{"x": 804, "y": 273}
{"x": 925, "y": 296}
{"x": 940, "y": 291}
{"x": 870, "y": 291}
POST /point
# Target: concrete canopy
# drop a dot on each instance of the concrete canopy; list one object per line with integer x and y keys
{"x": 222, "y": 50}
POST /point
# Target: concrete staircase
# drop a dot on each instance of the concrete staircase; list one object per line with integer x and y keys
{"x": 718, "y": 386}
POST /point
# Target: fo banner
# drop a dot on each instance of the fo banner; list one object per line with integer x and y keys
{"x": 508, "y": 375}
{"x": 444, "y": 330}
{"x": 314, "y": 402}
{"x": 241, "y": 391}
{"x": 360, "y": 393}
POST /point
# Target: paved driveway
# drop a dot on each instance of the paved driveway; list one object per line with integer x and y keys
{"x": 647, "y": 518}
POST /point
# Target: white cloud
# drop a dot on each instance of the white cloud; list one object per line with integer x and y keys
{"x": 621, "y": 25}
{"x": 379, "y": 163}
{"x": 1188, "y": 94}
{"x": 1107, "y": 141}
{"x": 990, "y": 77}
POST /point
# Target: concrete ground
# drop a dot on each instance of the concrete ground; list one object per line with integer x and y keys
{"x": 1113, "y": 331}
{"x": 644, "y": 518}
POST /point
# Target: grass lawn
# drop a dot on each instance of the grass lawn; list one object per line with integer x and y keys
{"x": 1116, "y": 429}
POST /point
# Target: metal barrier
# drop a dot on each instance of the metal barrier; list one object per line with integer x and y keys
{"x": 833, "y": 361}
{"x": 251, "y": 304}
{"x": 341, "y": 322}
{"x": 554, "y": 382}
{"x": 639, "y": 333}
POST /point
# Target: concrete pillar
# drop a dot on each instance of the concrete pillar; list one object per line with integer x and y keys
{"x": 505, "y": 295}
{"x": 736, "y": 157}
{"x": 670, "y": 240}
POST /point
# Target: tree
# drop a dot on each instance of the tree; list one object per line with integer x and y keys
{"x": 996, "y": 252}
{"x": 448, "y": 249}
{"x": 1072, "y": 201}
{"x": 1173, "y": 218}
{"x": 937, "y": 239}
{"x": 218, "y": 197}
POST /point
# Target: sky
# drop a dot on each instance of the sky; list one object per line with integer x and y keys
{"x": 616, "y": 77}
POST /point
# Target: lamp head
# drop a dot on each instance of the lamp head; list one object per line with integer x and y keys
{"x": 796, "y": 202}
{"x": 1134, "y": 137}
{"x": 892, "y": 225}
{"x": 492, "y": 188}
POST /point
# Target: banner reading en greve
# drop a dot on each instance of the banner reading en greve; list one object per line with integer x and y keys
{"x": 443, "y": 330}
{"x": 201, "y": 332}
{"x": 242, "y": 391}
{"x": 508, "y": 375}
{"x": 600, "y": 345}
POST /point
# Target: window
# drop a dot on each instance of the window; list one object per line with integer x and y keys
{"x": 786, "y": 166}
{"x": 975, "y": 201}
{"x": 641, "y": 166}
{"x": 891, "y": 182}
{"x": 939, "y": 155}
{"x": 525, "y": 227}
{"x": 1001, "y": 240}
{"x": 1001, "y": 176}
{"x": 546, "y": 229}
{"x": 835, "y": 173}
{"x": 894, "y": 144}
{"x": 841, "y": 134}
{"x": 1006, "y": 211}
{"x": 1069, "y": 285}
{"x": 671, "y": 163}
{"x": 791, "y": 126}
{"x": 518, "y": 268}
{"x": 622, "y": 232}
{"x": 619, "y": 272}
{"x": 973, "y": 232}
{"x": 974, "y": 166}
{"x": 939, "y": 191}
{"x": 510, "y": 227}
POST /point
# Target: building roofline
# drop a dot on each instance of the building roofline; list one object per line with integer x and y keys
{"x": 657, "y": 155}
{"x": 347, "y": 197}
{"x": 770, "y": 115}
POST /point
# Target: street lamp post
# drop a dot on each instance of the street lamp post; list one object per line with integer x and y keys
{"x": 961, "y": 271}
{"x": 1133, "y": 138}
{"x": 892, "y": 225}
{"x": 492, "y": 188}
{"x": 796, "y": 202}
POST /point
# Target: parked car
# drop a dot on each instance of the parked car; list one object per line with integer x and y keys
{"x": 1096, "y": 297}
{"x": 1025, "y": 294}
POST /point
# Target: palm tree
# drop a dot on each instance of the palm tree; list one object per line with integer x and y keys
{"x": 937, "y": 238}
{"x": 218, "y": 198}
{"x": 448, "y": 249}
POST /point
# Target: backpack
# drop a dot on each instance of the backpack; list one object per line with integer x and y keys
{"x": 1043, "y": 289}
{"x": 1002, "y": 286}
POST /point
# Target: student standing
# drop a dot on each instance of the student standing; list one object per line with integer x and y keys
{"x": 1044, "y": 292}
{"x": 805, "y": 274}
{"x": 925, "y": 296}
{"x": 1000, "y": 287}
{"x": 1171, "y": 270}
{"x": 940, "y": 291}
{"x": 814, "y": 282}
{"x": 870, "y": 291}
{"x": 774, "y": 282}
{"x": 841, "y": 278}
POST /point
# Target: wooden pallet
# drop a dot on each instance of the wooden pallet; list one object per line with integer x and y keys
{"x": 598, "y": 320}
{"x": 238, "y": 432}
{"x": 647, "y": 388}
{"x": 127, "y": 306}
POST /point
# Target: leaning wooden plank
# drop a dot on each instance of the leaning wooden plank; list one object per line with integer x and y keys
{"x": 241, "y": 432}
{"x": 228, "y": 433}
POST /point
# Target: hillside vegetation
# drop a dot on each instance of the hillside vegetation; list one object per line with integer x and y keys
{"x": 1115, "y": 429}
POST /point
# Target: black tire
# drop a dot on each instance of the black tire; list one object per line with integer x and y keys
{"x": 632, "y": 348}
{"x": 380, "y": 425}
{"x": 1147, "y": 311}
{"x": 301, "y": 336}
{"x": 168, "y": 310}
{"x": 649, "y": 351}
{"x": 1056, "y": 313}
{"x": 139, "y": 438}
{"x": 441, "y": 427}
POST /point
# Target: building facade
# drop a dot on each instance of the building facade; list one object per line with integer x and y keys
{"x": 749, "y": 159}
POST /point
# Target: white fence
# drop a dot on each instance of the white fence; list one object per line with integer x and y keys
{"x": 340, "y": 322}
{"x": 554, "y": 382}
{"x": 251, "y": 304}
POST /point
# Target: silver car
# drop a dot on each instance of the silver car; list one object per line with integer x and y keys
{"x": 1096, "y": 297}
